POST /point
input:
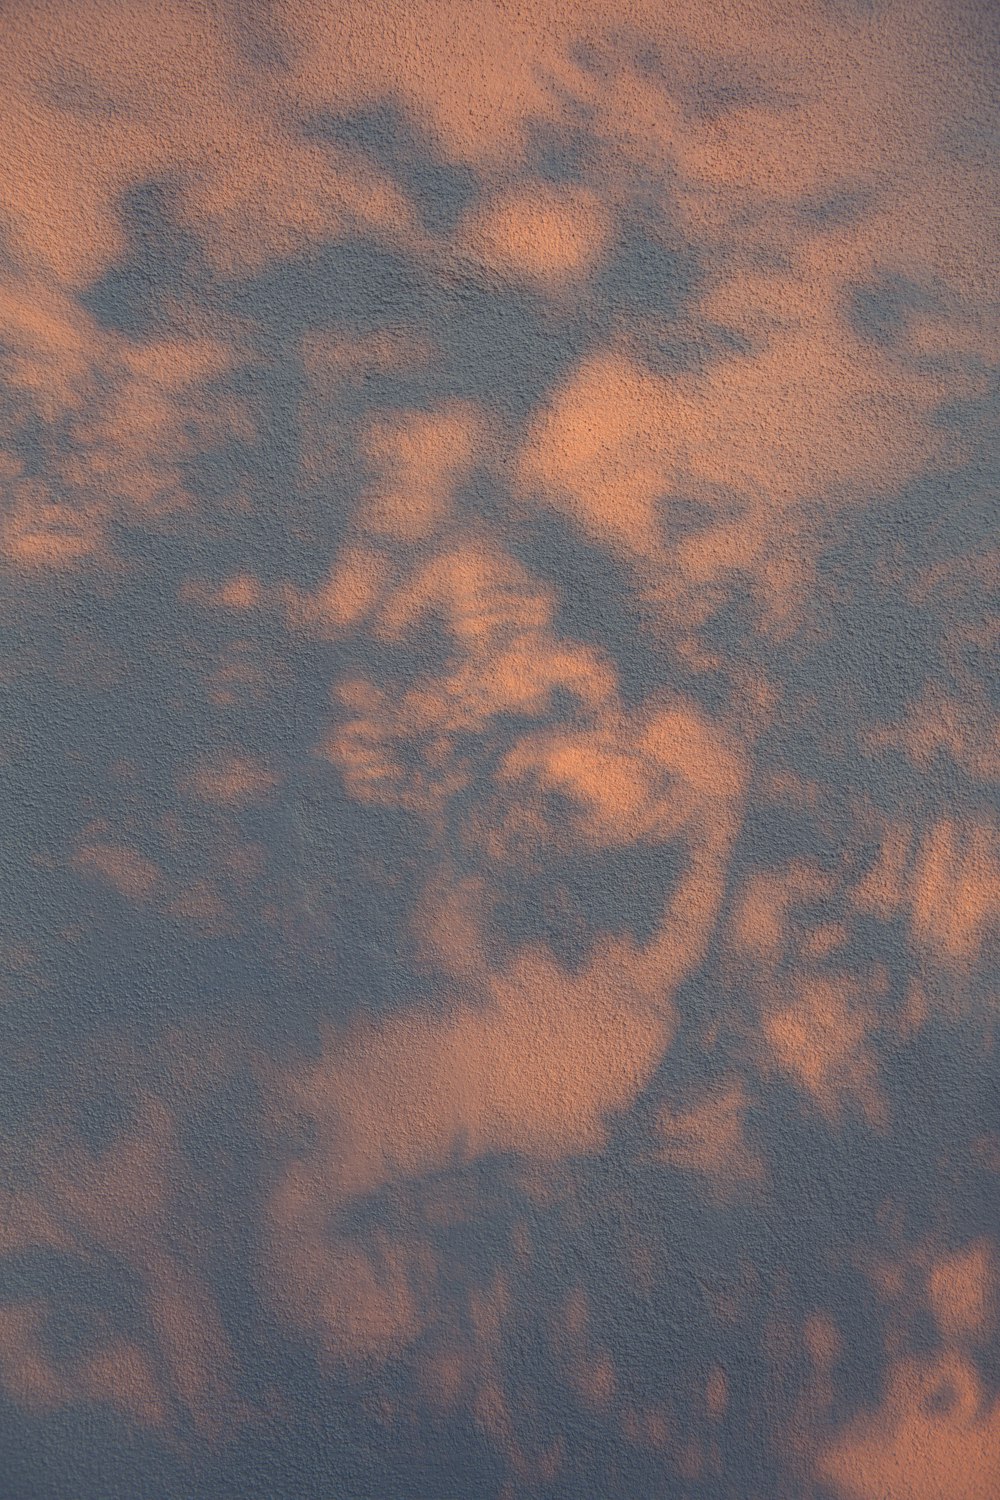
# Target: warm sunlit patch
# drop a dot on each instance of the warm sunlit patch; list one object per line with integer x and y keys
{"x": 471, "y": 77}
{"x": 403, "y": 746}
{"x": 935, "y": 1437}
{"x": 48, "y": 345}
{"x": 357, "y": 583}
{"x": 820, "y": 1040}
{"x": 135, "y": 445}
{"x": 418, "y": 458}
{"x": 540, "y": 234}
{"x": 39, "y": 534}
{"x": 956, "y": 898}
{"x": 334, "y": 365}
{"x": 936, "y": 1432}
{"x": 102, "y": 428}
{"x": 104, "y": 102}
{"x": 824, "y": 1345}
{"x": 767, "y": 923}
{"x": 947, "y": 878}
{"x": 964, "y": 1290}
{"x": 242, "y": 591}
{"x": 649, "y": 1427}
{"x": 808, "y": 415}
{"x": 605, "y": 450}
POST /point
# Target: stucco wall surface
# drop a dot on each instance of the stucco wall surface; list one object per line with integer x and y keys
{"x": 499, "y": 744}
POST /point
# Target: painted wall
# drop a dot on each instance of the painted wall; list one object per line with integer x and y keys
{"x": 498, "y": 750}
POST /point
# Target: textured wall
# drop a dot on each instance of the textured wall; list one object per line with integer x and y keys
{"x": 499, "y": 750}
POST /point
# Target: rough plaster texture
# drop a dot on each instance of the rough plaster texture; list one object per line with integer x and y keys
{"x": 499, "y": 750}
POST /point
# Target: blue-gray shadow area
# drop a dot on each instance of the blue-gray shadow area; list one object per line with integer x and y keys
{"x": 495, "y": 342}
{"x": 879, "y": 311}
{"x": 85, "y": 1302}
{"x": 603, "y": 602}
{"x": 383, "y": 134}
{"x": 568, "y": 904}
{"x": 162, "y": 259}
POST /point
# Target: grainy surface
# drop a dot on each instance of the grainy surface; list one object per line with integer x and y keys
{"x": 498, "y": 750}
